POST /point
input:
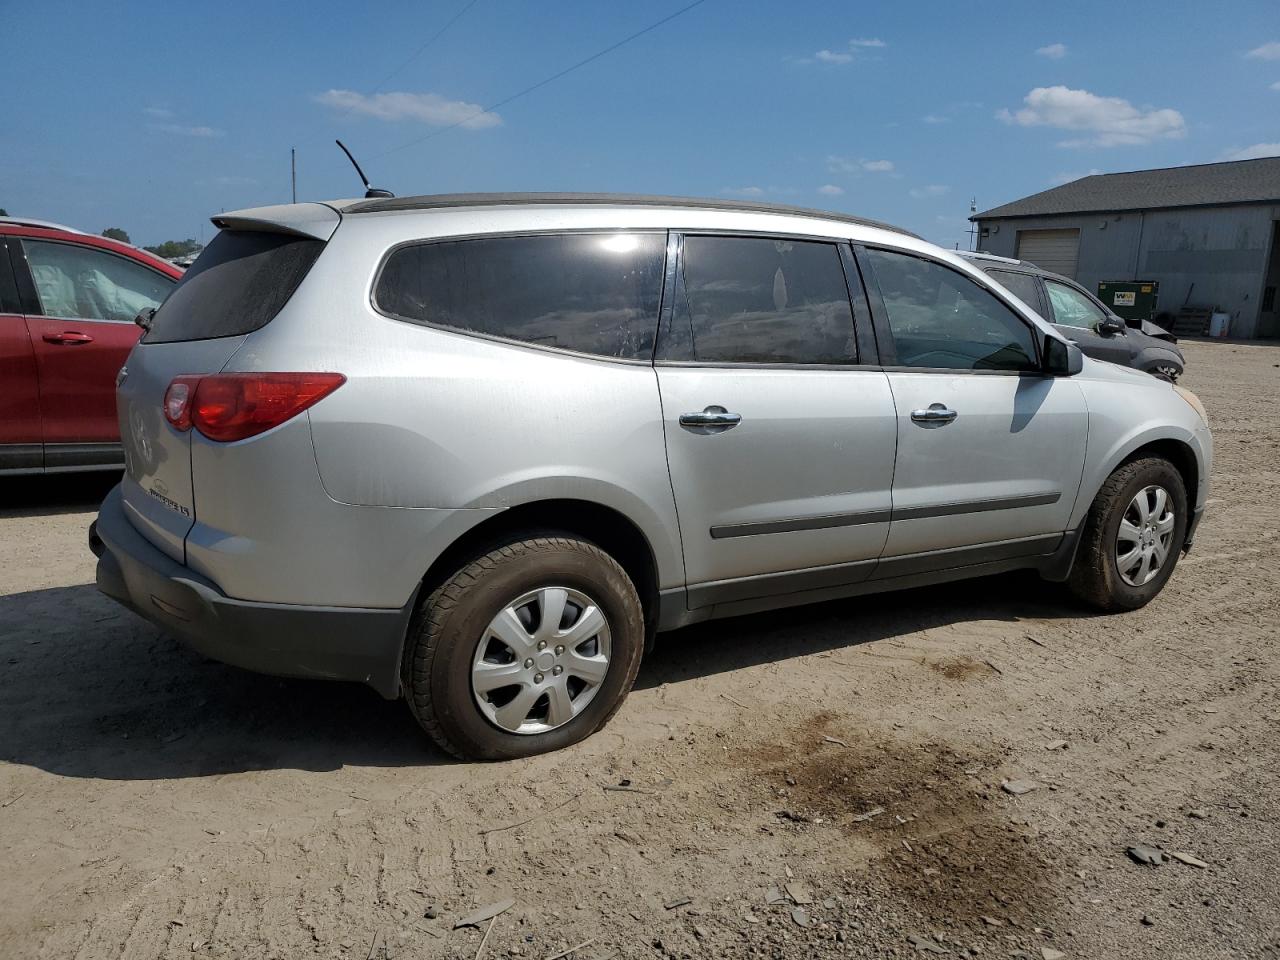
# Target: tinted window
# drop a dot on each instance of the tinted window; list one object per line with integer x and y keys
{"x": 237, "y": 285}
{"x": 941, "y": 318}
{"x": 1021, "y": 285}
{"x": 1071, "y": 307}
{"x": 89, "y": 284}
{"x": 595, "y": 293}
{"x": 10, "y": 302}
{"x": 756, "y": 300}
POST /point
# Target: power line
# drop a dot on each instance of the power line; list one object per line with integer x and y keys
{"x": 417, "y": 53}
{"x": 428, "y": 42}
{"x": 542, "y": 83}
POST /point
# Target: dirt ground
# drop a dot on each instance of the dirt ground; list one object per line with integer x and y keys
{"x": 844, "y": 761}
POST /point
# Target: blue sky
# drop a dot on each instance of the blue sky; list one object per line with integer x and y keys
{"x": 153, "y": 116}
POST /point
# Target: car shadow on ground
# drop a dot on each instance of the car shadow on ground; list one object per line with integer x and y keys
{"x": 93, "y": 691}
{"x": 721, "y": 646}
{"x": 51, "y": 494}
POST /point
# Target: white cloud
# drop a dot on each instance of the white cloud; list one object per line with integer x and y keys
{"x": 1276, "y": 85}
{"x": 830, "y": 190}
{"x": 744, "y": 191}
{"x": 182, "y": 131}
{"x": 858, "y": 165}
{"x": 160, "y": 113}
{"x": 855, "y": 46}
{"x": 934, "y": 118}
{"x": 1255, "y": 152}
{"x": 1062, "y": 178}
{"x": 1108, "y": 121}
{"x": 429, "y": 108}
{"x": 1268, "y": 51}
{"x": 1054, "y": 51}
{"x": 932, "y": 190}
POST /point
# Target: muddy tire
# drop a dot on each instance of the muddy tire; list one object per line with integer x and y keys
{"x": 1132, "y": 536}
{"x": 526, "y": 649}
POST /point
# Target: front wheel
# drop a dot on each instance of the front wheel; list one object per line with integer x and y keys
{"x": 528, "y": 648}
{"x": 1132, "y": 536}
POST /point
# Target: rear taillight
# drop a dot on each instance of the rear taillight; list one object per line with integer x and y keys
{"x": 177, "y": 402}
{"x": 234, "y": 406}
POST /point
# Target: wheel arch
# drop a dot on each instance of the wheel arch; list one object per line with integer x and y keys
{"x": 1149, "y": 358}
{"x": 605, "y": 526}
{"x": 1177, "y": 449}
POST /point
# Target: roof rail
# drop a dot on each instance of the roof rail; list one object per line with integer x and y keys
{"x": 449, "y": 200}
{"x": 46, "y": 224}
{"x": 983, "y": 255}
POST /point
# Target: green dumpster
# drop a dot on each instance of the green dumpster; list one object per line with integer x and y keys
{"x": 1134, "y": 300}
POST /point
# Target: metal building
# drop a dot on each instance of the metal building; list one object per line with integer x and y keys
{"x": 1208, "y": 234}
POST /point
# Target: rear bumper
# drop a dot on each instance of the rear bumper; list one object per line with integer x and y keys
{"x": 336, "y": 643}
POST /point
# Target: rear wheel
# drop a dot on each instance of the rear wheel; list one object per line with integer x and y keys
{"x": 528, "y": 648}
{"x": 1132, "y": 536}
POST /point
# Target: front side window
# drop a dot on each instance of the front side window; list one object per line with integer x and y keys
{"x": 940, "y": 318}
{"x": 592, "y": 293}
{"x": 82, "y": 283}
{"x": 1021, "y": 285}
{"x": 1072, "y": 308}
{"x": 760, "y": 300}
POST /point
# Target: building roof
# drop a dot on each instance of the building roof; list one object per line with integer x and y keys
{"x": 1206, "y": 184}
{"x": 446, "y": 200}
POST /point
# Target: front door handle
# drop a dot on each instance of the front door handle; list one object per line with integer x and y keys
{"x": 711, "y": 418}
{"x": 937, "y": 413}
{"x": 68, "y": 337}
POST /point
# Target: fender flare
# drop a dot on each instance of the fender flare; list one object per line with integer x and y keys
{"x": 1124, "y": 449}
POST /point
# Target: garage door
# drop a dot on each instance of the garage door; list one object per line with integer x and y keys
{"x": 1054, "y": 250}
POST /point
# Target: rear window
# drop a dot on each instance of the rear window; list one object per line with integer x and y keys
{"x": 237, "y": 285}
{"x": 593, "y": 293}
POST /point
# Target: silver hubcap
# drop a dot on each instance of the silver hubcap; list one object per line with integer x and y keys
{"x": 1145, "y": 536}
{"x": 541, "y": 660}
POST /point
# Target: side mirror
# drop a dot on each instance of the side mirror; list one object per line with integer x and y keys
{"x": 1111, "y": 326}
{"x": 1061, "y": 359}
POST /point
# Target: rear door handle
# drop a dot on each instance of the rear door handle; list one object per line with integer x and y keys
{"x": 712, "y": 417}
{"x": 68, "y": 337}
{"x": 937, "y": 413}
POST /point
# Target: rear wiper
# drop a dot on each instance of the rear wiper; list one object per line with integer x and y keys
{"x": 144, "y": 317}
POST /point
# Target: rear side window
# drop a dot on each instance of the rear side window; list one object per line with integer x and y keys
{"x": 761, "y": 300}
{"x": 592, "y": 293}
{"x": 10, "y": 302}
{"x": 940, "y": 318}
{"x": 83, "y": 283}
{"x": 237, "y": 285}
{"x": 1021, "y": 285}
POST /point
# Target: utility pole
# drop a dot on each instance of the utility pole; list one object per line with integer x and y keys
{"x": 293, "y": 172}
{"x": 973, "y": 227}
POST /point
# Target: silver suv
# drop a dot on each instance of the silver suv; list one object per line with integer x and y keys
{"x": 477, "y": 450}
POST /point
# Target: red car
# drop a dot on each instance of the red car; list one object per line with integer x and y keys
{"x": 67, "y": 303}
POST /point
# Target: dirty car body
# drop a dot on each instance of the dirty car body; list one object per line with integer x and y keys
{"x": 476, "y": 450}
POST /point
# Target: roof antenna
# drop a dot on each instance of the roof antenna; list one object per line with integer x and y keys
{"x": 369, "y": 192}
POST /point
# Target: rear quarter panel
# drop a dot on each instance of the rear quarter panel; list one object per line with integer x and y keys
{"x": 434, "y": 420}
